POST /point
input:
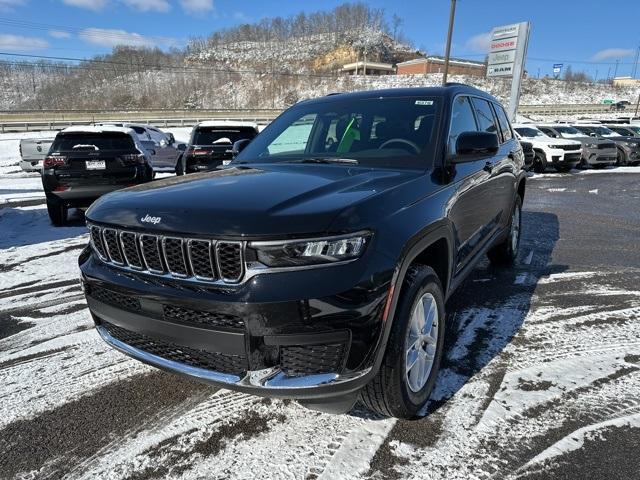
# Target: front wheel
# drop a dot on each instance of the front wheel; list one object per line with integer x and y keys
{"x": 507, "y": 251}
{"x": 539, "y": 163}
{"x": 409, "y": 369}
{"x": 179, "y": 167}
{"x": 622, "y": 158}
{"x": 58, "y": 213}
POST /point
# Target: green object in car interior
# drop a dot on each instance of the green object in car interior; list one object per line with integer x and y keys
{"x": 351, "y": 134}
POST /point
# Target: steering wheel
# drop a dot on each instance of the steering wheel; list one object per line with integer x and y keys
{"x": 403, "y": 141}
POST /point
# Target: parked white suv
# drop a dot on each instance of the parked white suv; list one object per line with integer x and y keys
{"x": 165, "y": 152}
{"x": 561, "y": 154}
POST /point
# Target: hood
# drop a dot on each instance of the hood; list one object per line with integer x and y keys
{"x": 266, "y": 200}
{"x": 558, "y": 141}
{"x": 619, "y": 139}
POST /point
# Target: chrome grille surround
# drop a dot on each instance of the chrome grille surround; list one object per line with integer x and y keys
{"x": 170, "y": 256}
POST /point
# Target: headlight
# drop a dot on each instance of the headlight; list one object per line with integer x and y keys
{"x": 299, "y": 253}
{"x": 554, "y": 147}
{"x": 592, "y": 145}
{"x": 631, "y": 144}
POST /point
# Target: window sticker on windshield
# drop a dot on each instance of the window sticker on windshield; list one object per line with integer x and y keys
{"x": 424, "y": 102}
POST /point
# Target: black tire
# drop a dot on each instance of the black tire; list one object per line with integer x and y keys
{"x": 622, "y": 158}
{"x": 179, "y": 167}
{"x": 583, "y": 165}
{"x": 58, "y": 213}
{"x": 505, "y": 253}
{"x": 388, "y": 393}
{"x": 539, "y": 163}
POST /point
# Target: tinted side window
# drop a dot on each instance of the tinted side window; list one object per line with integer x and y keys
{"x": 486, "y": 120}
{"x": 507, "y": 134}
{"x": 547, "y": 131}
{"x": 462, "y": 120}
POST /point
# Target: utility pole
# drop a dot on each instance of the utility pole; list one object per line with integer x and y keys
{"x": 637, "y": 106}
{"x": 615, "y": 72}
{"x": 635, "y": 63}
{"x": 452, "y": 14}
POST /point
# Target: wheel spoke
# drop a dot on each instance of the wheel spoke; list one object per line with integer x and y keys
{"x": 412, "y": 358}
{"x": 422, "y": 339}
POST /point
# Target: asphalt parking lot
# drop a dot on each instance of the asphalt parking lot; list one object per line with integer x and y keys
{"x": 541, "y": 377}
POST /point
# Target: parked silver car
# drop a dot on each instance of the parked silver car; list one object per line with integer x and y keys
{"x": 596, "y": 152}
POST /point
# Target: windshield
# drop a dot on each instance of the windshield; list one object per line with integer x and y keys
{"x": 382, "y": 132}
{"x": 568, "y": 131}
{"x": 221, "y": 136}
{"x": 598, "y": 130}
{"x": 73, "y": 142}
{"x": 529, "y": 132}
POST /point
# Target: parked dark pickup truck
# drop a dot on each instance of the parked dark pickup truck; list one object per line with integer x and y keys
{"x": 315, "y": 267}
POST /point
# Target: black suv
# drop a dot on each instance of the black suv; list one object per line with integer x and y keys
{"x": 211, "y": 144}
{"x": 84, "y": 163}
{"x": 317, "y": 265}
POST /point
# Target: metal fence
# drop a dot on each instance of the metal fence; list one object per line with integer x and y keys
{"x": 32, "y": 120}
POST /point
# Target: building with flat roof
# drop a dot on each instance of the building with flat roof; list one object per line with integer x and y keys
{"x": 368, "y": 68}
{"x": 435, "y": 64}
{"x": 626, "y": 82}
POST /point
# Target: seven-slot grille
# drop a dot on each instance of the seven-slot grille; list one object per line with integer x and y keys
{"x": 204, "y": 260}
{"x": 569, "y": 147}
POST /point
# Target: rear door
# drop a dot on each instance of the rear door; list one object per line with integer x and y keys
{"x": 472, "y": 210}
{"x": 507, "y": 164}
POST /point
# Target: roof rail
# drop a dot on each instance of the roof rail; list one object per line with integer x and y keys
{"x": 333, "y": 93}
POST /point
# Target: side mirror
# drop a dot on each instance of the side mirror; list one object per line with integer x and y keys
{"x": 171, "y": 138}
{"x": 592, "y": 134}
{"x": 471, "y": 145}
{"x": 182, "y": 147}
{"x": 239, "y": 146}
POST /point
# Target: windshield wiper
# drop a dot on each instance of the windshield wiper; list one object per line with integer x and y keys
{"x": 349, "y": 161}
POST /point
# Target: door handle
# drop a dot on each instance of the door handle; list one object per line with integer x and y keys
{"x": 488, "y": 167}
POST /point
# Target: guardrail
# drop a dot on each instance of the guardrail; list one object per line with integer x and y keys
{"x": 31, "y": 120}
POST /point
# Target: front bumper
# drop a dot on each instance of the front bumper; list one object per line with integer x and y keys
{"x": 557, "y": 156}
{"x": 601, "y": 156}
{"x": 303, "y": 335}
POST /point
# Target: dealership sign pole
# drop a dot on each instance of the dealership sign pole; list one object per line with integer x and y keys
{"x": 507, "y": 51}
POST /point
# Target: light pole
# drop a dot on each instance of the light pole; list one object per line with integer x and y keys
{"x": 452, "y": 14}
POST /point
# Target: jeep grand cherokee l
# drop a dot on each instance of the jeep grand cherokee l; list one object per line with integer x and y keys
{"x": 86, "y": 162}
{"x": 628, "y": 146}
{"x": 315, "y": 267}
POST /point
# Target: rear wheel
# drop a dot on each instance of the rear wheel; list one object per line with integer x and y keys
{"x": 412, "y": 358}
{"x": 539, "y": 163}
{"x": 507, "y": 251}
{"x": 57, "y": 213}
